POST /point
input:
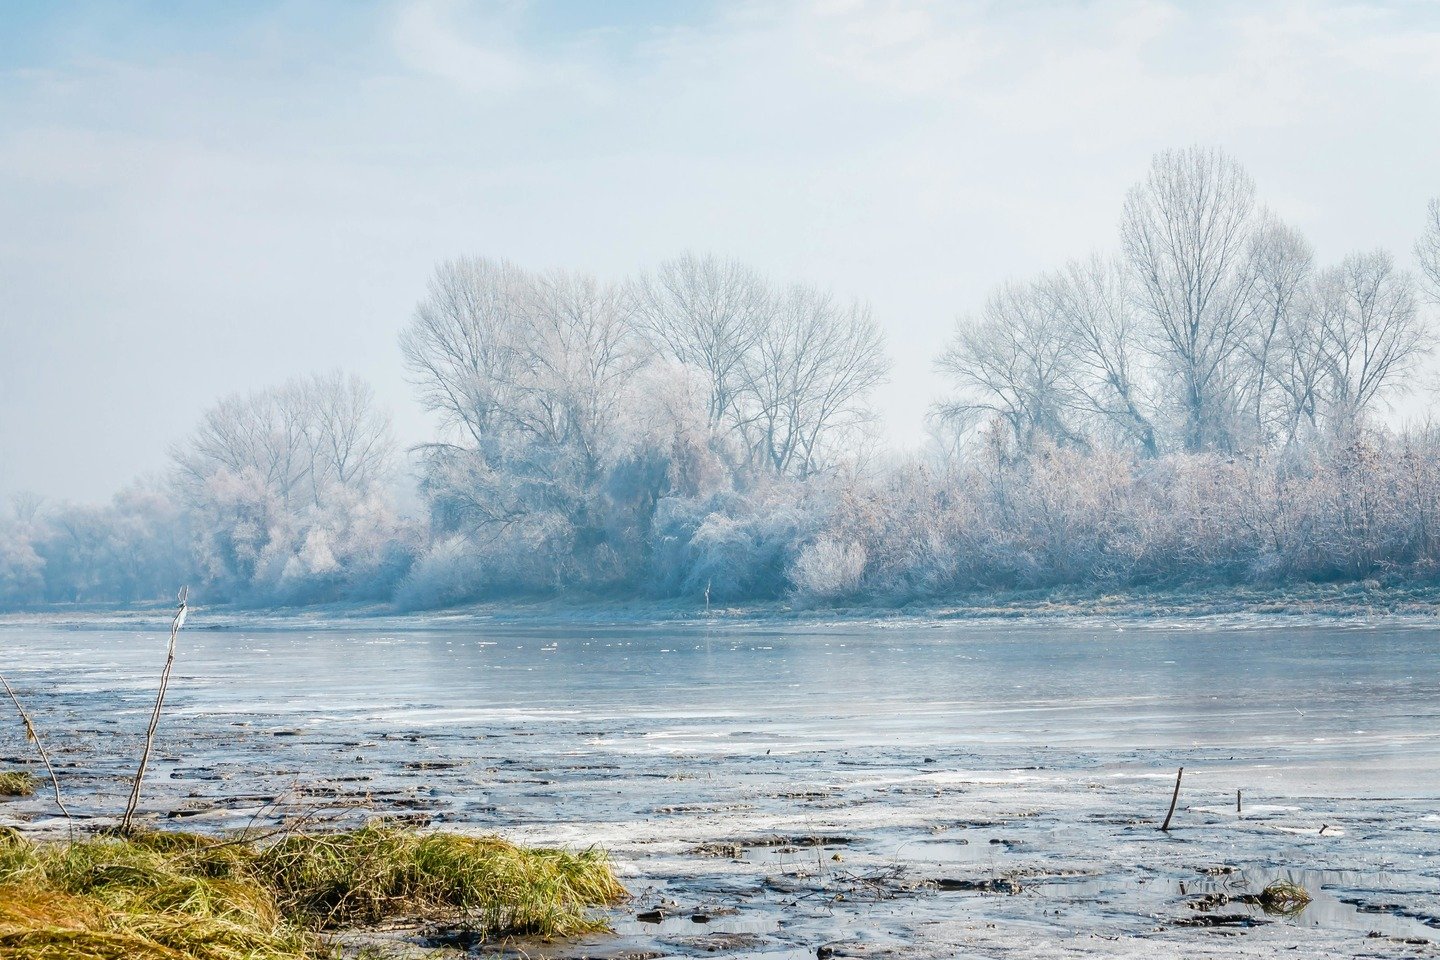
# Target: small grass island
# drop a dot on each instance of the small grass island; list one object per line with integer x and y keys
{"x": 184, "y": 896}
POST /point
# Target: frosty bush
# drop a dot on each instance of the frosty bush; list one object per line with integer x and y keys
{"x": 730, "y": 547}
{"x": 828, "y": 570}
{"x": 448, "y": 573}
{"x": 22, "y": 570}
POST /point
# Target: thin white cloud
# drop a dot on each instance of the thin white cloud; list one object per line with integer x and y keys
{"x": 482, "y": 57}
{"x": 478, "y": 50}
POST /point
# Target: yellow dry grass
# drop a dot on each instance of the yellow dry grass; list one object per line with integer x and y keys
{"x": 16, "y": 783}
{"x": 174, "y": 896}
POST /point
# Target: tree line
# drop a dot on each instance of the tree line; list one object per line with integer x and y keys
{"x": 1200, "y": 404}
{"x": 1212, "y": 329}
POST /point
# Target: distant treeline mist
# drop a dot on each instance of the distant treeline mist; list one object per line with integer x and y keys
{"x": 1200, "y": 406}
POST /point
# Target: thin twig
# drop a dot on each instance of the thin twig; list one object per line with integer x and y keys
{"x": 175, "y": 625}
{"x": 321, "y": 816}
{"x": 34, "y": 737}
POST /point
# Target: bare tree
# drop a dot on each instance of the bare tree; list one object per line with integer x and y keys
{"x": 806, "y": 378}
{"x": 1186, "y": 231}
{"x": 1277, "y": 351}
{"x": 462, "y": 346}
{"x": 1017, "y": 363}
{"x": 299, "y": 439}
{"x": 25, "y": 505}
{"x": 582, "y": 355}
{"x": 350, "y": 436}
{"x": 705, "y": 313}
{"x": 262, "y": 433}
{"x": 1297, "y": 367}
{"x": 530, "y": 372}
{"x": 1372, "y": 334}
{"x": 1094, "y": 300}
{"x": 1427, "y": 249}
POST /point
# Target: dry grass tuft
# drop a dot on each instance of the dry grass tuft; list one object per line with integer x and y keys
{"x": 16, "y": 783}
{"x": 40, "y": 924}
{"x": 367, "y": 875}
{"x": 145, "y": 896}
{"x": 185, "y": 897}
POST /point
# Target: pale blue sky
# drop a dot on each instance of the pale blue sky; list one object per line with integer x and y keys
{"x": 199, "y": 198}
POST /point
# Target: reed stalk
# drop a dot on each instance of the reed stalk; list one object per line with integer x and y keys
{"x": 33, "y": 736}
{"x": 127, "y": 821}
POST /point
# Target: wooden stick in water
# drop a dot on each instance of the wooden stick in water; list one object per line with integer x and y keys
{"x": 1174, "y": 797}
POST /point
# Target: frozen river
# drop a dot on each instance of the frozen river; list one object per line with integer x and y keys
{"x": 809, "y": 786}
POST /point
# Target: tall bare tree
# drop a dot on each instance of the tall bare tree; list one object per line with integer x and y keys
{"x": 349, "y": 434}
{"x": 806, "y": 378}
{"x": 262, "y": 433}
{"x": 582, "y": 354}
{"x": 705, "y": 313}
{"x": 529, "y": 371}
{"x": 1372, "y": 334}
{"x": 1186, "y": 230}
{"x": 1016, "y": 363}
{"x": 1280, "y": 267}
{"x": 297, "y": 440}
{"x": 1094, "y": 300}
{"x": 462, "y": 346}
{"x": 1298, "y": 368}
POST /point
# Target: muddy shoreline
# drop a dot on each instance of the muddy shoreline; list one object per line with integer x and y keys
{"x": 790, "y": 819}
{"x": 900, "y": 858}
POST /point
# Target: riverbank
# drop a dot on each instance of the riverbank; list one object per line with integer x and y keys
{"x": 1351, "y": 601}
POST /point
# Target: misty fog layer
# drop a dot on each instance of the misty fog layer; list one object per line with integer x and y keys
{"x": 1199, "y": 405}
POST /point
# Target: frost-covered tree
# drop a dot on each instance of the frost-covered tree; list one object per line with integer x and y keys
{"x": 531, "y": 374}
{"x": 706, "y": 314}
{"x": 523, "y": 365}
{"x": 785, "y": 370}
{"x": 134, "y": 547}
{"x": 1015, "y": 365}
{"x": 573, "y": 407}
{"x": 1276, "y": 383}
{"x": 806, "y": 379}
{"x": 1186, "y": 230}
{"x": 1371, "y": 333}
{"x": 287, "y": 490}
{"x": 1094, "y": 301}
{"x": 300, "y": 439}
{"x": 22, "y": 569}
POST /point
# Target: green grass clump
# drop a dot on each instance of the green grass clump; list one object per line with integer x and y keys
{"x": 1283, "y": 897}
{"x": 16, "y": 783}
{"x": 185, "y": 897}
{"x": 363, "y": 877}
